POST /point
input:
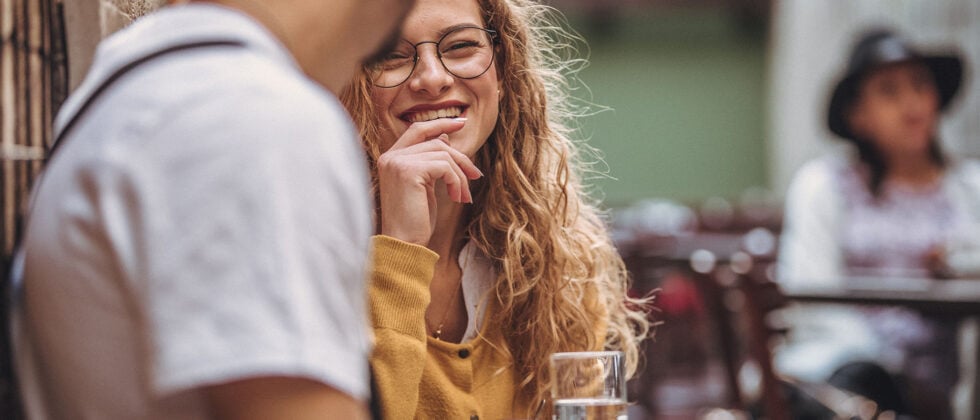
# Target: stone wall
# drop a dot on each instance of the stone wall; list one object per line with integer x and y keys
{"x": 88, "y": 21}
{"x": 115, "y": 14}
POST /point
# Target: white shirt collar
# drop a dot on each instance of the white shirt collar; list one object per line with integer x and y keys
{"x": 477, "y": 282}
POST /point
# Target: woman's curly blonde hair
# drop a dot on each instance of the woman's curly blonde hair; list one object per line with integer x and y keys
{"x": 530, "y": 214}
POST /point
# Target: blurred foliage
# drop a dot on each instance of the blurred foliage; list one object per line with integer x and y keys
{"x": 686, "y": 88}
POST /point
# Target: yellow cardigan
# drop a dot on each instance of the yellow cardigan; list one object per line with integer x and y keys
{"x": 424, "y": 378}
{"x": 417, "y": 375}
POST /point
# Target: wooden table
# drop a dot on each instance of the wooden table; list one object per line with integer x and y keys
{"x": 955, "y": 297}
{"x": 952, "y": 297}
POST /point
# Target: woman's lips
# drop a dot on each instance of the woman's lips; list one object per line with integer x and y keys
{"x": 432, "y": 114}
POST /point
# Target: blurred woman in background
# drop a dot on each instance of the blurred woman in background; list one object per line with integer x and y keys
{"x": 898, "y": 207}
{"x": 489, "y": 255}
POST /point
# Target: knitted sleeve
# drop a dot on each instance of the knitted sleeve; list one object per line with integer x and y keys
{"x": 399, "y": 295}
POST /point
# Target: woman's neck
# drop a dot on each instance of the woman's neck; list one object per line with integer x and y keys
{"x": 913, "y": 171}
{"x": 446, "y": 316}
{"x": 447, "y": 237}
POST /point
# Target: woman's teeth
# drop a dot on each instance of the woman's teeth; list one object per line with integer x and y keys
{"x": 451, "y": 112}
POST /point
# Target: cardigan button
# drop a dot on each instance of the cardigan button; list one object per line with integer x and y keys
{"x": 464, "y": 353}
{"x": 474, "y": 417}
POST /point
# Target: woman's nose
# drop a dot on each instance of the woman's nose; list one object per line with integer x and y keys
{"x": 430, "y": 75}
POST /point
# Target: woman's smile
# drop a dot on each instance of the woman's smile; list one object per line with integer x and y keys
{"x": 427, "y": 113}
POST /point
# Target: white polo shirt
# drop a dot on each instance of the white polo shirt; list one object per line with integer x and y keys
{"x": 207, "y": 220}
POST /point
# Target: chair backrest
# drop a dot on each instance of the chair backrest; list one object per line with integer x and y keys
{"x": 762, "y": 296}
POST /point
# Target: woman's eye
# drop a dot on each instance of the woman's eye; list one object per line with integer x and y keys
{"x": 396, "y": 59}
{"x": 461, "y": 48}
{"x": 459, "y": 45}
{"x": 397, "y": 56}
{"x": 887, "y": 89}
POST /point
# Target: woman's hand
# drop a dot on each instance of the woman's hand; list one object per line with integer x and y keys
{"x": 935, "y": 261}
{"x": 407, "y": 175}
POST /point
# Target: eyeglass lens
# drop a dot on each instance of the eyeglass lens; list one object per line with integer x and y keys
{"x": 465, "y": 53}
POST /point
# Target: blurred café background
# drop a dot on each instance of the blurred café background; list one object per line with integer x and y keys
{"x": 702, "y": 111}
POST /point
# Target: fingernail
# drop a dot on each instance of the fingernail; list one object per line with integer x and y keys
{"x": 444, "y": 137}
{"x": 460, "y": 119}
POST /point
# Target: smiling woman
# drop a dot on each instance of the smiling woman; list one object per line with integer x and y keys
{"x": 443, "y": 66}
{"x": 489, "y": 256}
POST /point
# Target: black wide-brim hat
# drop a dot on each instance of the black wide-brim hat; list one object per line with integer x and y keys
{"x": 880, "y": 48}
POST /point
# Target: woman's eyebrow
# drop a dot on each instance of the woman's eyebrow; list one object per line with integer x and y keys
{"x": 442, "y": 32}
{"x": 449, "y": 29}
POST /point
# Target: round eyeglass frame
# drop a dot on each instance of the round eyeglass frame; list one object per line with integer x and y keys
{"x": 494, "y": 40}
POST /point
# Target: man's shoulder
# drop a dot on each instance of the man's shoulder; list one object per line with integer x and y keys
{"x": 244, "y": 92}
{"x": 248, "y": 82}
{"x": 279, "y": 108}
{"x": 241, "y": 62}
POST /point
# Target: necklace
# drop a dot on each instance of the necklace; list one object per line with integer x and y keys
{"x": 452, "y": 298}
{"x": 445, "y": 314}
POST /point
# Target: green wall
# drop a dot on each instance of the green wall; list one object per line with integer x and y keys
{"x": 687, "y": 98}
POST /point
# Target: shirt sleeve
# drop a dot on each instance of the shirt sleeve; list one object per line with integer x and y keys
{"x": 249, "y": 244}
{"x": 809, "y": 249}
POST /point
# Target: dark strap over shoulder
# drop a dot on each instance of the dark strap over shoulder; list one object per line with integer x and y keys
{"x": 10, "y": 402}
{"x": 125, "y": 69}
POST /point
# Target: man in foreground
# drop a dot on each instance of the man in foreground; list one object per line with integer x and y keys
{"x": 196, "y": 246}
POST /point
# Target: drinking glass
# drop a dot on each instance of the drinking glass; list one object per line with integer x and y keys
{"x": 588, "y": 385}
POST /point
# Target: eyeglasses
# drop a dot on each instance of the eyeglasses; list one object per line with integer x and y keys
{"x": 465, "y": 52}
